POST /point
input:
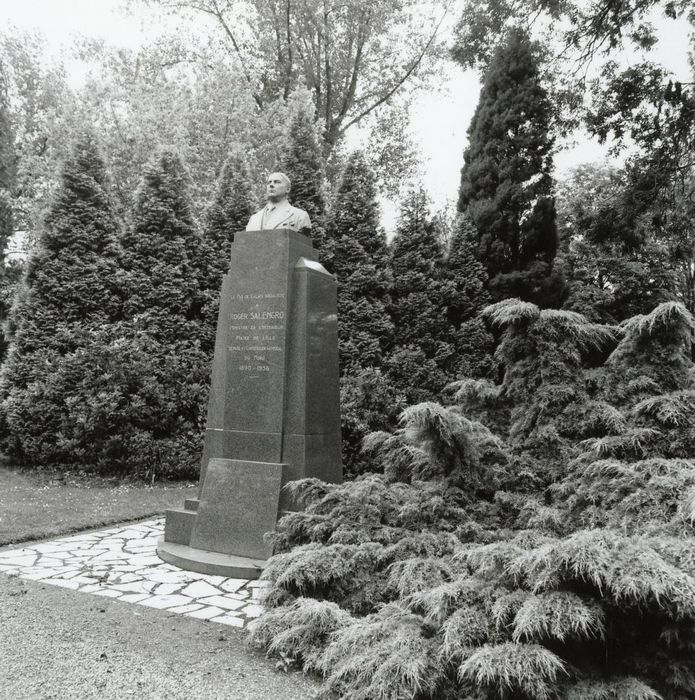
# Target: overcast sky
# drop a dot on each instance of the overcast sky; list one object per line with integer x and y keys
{"x": 440, "y": 120}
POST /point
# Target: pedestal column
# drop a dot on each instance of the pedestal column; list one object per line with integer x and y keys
{"x": 273, "y": 412}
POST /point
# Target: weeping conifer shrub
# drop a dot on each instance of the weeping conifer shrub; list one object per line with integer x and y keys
{"x": 454, "y": 573}
{"x": 69, "y": 294}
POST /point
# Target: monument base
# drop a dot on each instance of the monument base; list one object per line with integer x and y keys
{"x": 212, "y": 563}
{"x": 274, "y": 409}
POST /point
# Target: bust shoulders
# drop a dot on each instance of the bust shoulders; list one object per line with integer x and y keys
{"x": 282, "y": 215}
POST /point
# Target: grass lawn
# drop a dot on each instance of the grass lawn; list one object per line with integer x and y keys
{"x": 35, "y": 505}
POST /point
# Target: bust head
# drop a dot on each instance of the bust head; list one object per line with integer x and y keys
{"x": 281, "y": 214}
{"x": 277, "y": 187}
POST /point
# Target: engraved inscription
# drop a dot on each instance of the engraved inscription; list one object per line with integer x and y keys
{"x": 257, "y": 336}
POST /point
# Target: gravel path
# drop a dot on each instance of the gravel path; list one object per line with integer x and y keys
{"x": 58, "y": 643}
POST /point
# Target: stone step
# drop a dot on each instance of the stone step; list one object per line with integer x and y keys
{"x": 191, "y": 504}
{"x": 179, "y": 525}
{"x": 212, "y": 563}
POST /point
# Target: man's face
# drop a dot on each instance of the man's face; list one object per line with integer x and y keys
{"x": 276, "y": 187}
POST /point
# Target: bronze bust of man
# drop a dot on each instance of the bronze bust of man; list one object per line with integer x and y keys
{"x": 278, "y": 212}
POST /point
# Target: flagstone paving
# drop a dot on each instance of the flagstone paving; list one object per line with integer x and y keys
{"x": 122, "y": 563}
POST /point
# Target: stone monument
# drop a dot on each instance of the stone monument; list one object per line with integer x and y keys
{"x": 273, "y": 412}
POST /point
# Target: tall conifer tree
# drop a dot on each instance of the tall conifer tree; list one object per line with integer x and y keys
{"x": 162, "y": 328}
{"x": 357, "y": 253}
{"x": 467, "y": 293}
{"x": 303, "y": 164}
{"x": 417, "y": 263}
{"x": 231, "y": 208}
{"x": 506, "y": 184}
{"x": 7, "y": 167}
{"x": 418, "y": 303}
{"x": 228, "y": 213}
{"x": 69, "y": 292}
{"x": 360, "y": 262}
{"x": 8, "y": 274}
{"x": 466, "y": 296}
{"x": 160, "y": 251}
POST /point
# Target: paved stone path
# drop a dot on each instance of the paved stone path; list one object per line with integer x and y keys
{"x": 122, "y": 563}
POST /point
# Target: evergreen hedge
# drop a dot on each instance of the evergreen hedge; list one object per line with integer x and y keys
{"x": 106, "y": 368}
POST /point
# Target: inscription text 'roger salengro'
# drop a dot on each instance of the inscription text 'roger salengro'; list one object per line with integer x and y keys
{"x": 257, "y": 334}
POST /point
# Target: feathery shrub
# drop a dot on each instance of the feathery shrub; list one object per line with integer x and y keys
{"x": 533, "y": 558}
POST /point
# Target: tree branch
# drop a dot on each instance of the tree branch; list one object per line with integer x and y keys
{"x": 216, "y": 12}
{"x": 288, "y": 70}
{"x": 402, "y": 79}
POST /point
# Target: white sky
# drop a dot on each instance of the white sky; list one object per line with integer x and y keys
{"x": 439, "y": 120}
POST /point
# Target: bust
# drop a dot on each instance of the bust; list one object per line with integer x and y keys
{"x": 278, "y": 212}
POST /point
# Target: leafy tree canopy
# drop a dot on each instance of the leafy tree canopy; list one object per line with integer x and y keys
{"x": 352, "y": 57}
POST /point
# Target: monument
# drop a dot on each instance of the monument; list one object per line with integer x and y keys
{"x": 273, "y": 412}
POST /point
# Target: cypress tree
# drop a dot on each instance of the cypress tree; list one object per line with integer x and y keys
{"x": 69, "y": 292}
{"x": 230, "y": 210}
{"x": 162, "y": 326}
{"x": 7, "y": 169}
{"x": 360, "y": 262}
{"x": 466, "y": 296}
{"x": 303, "y": 164}
{"x": 228, "y": 213}
{"x": 159, "y": 254}
{"x": 417, "y": 292}
{"x": 359, "y": 258}
{"x": 466, "y": 293}
{"x": 506, "y": 184}
{"x": 418, "y": 303}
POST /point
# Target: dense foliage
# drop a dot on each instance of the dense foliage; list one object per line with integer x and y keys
{"x": 506, "y": 186}
{"x": 417, "y": 364}
{"x": 230, "y": 210}
{"x": 229, "y": 213}
{"x": 303, "y": 164}
{"x": 70, "y": 292}
{"x": 466, "y": 294}
{"x": 105, "y": 367}
{"x": 644, "y": 108}
{"x": 162, "y": 311}
{"x": 356, "y": 253}
{"x": 614, "y": 265}
{"x": 7, "y": 183}
{"x": 350, "y": 57}
{"x": 546, "y": 559}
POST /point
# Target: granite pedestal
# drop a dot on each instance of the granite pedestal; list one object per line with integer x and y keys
{"x": 273, "y": 413}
